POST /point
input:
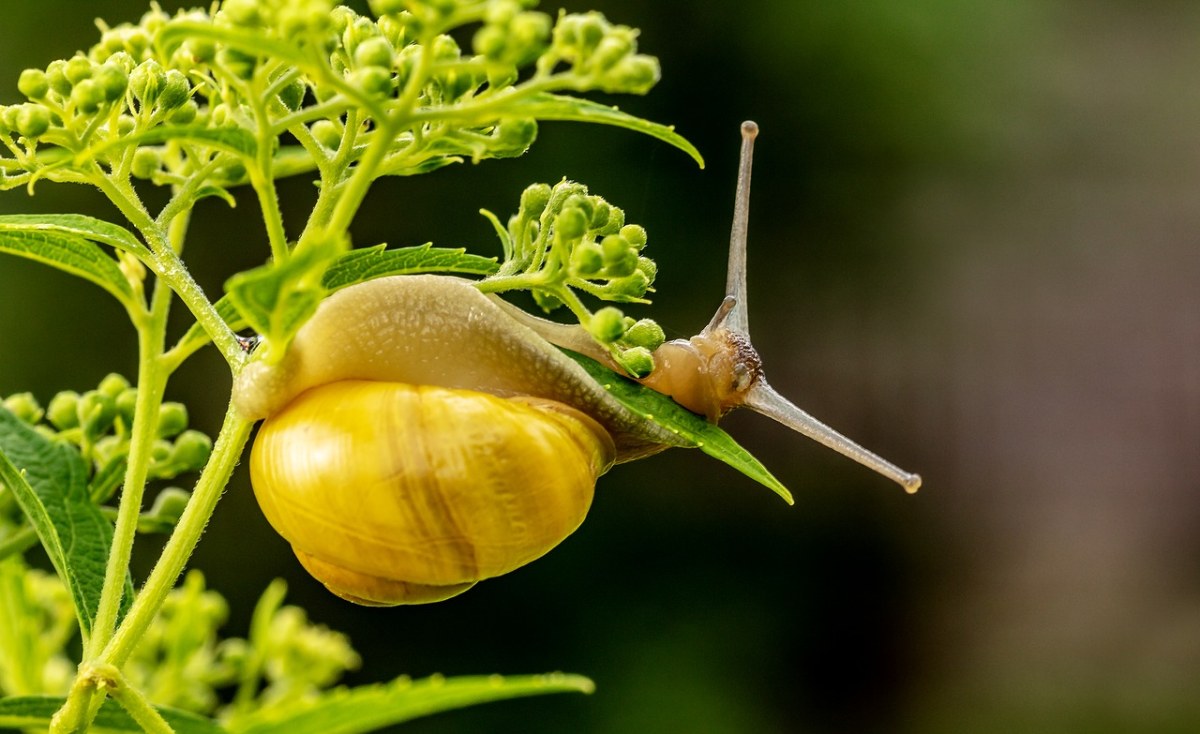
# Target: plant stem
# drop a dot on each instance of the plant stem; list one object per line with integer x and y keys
{"x": 226, "y": 452}
{"x": 152, "y": 380}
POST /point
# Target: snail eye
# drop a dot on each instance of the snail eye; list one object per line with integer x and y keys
{"x": 742, "y": 376}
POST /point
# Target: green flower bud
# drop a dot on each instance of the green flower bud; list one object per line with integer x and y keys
{"x": 8, "y": 119}
{"x": 77, "y": 69}
{"x": 146, "y": 162}
{"x": 87, "y": 96}
{"x": 372, "y": 80}
{"x": 25, "y": 407}
{"x": 160, "y": 459}
{"x": 615, "y": 46}
{"x": 146, "y": 81}
{"x": 33, "y": 83}
{"x": 32, "y": 120}
{"x": 586, "y": 260}
{"x": 490, "y": 42}
{"x": 635, "y": 235}
{"x": 645, "y": 333}
{"x": 62, "y": 412}
{"x": 592, "y": 29}
{"x": 185, "y": 113}
{"x": 580, "y": 201}
{"x": 341, "y": 18}
{"x": 191, "y": 451}
{"x": 328, "y": 133}
{"x": 630, "y": 286}
{"x": 600, "y": 214}
{"x": 528, "y": 34}
{"x": 57, "y": 77}
{"x": 638, "y": 361}
{"x": 374, "y": 52}
{"x": 172, "y": 419}
{"x": 546, "y": 301}
{"x": 168, "y": 507}
{"x": 513, "y": 137}
{"x": 607, "y": 325}
{"x": 113, "y": 385}
{"x": 175, "y": 91}
{"x": 446, "y": 48}
{"x": 648, "y": 268}
{"x": 362, "y": 29}
{"x": 97, "y": 412}
{"x": 126, "y": 405}
{"x": 570, "y": 224}
{"x": 112, "y": 80}
{"x": 634, "y": 75}
{"x": 534, "y": 200}
{"x": 399, "y": 29}
{"x": 615, "y": 249}
{"x": 125, "y": 125}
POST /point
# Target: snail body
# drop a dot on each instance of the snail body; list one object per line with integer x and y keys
{"x": 416, "y": 439}
{"x": 419, "y": 436}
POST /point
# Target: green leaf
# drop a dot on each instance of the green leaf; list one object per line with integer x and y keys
{"x": 90, "y": 228}
{"x": 367, "y": 263}
{"x": 49, "y": 481}
{"x": 367, "y": 708}
{"x": 28, "y": 712}
{"x": 662, "y": 410}
{"x": 69, "y": 253}
{"x": 276, "y": 299}
{"x": 546, "y": 106}
{"x": 231, "y": 139}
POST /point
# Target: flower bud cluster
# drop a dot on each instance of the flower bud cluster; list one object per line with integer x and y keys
{"x": 601, "y": 52}
{"x": 562, "y": 237}
{"x": 182, "y": 661}
{"x": 98, "y": 423}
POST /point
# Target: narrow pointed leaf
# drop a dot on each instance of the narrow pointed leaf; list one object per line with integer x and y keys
{"x": 376, "y": 262}
{"x": 368, "y": 708}
{"x": 90, "y": 228}
{"x": 49, "y": 481}
{"x": 662, "y": 410}
{"x": 70, "y": 253}
{"x": 546, "y": 106}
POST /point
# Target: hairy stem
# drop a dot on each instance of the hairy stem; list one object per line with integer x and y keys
{"x": 226, "y": 452}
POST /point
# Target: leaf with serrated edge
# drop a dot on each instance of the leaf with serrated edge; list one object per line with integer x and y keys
{"x": 660, "y": 409}
{"x": 546, "y": 106}
{"x": 367, "y": 708}
{"x": 361, "y": 265}
{"x": 30, "y": 712}
{"x": 71, "y": 254}
{"x": 90, "y": 228}
{"x": 49, "y": 481}
{"x": 376, "y": 262}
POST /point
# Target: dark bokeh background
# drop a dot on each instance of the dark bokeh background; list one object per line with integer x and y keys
{"x": 973, "y": 248}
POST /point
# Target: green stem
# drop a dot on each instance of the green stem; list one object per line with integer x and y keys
{"x": 152, "y": 381}
{"x": 132, "y": 700}
{"x": 226, "y": 452}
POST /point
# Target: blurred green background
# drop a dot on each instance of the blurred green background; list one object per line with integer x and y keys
{"x": 975, "y": 248}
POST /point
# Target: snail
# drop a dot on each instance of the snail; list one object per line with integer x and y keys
{"x": 420, "y": 436}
